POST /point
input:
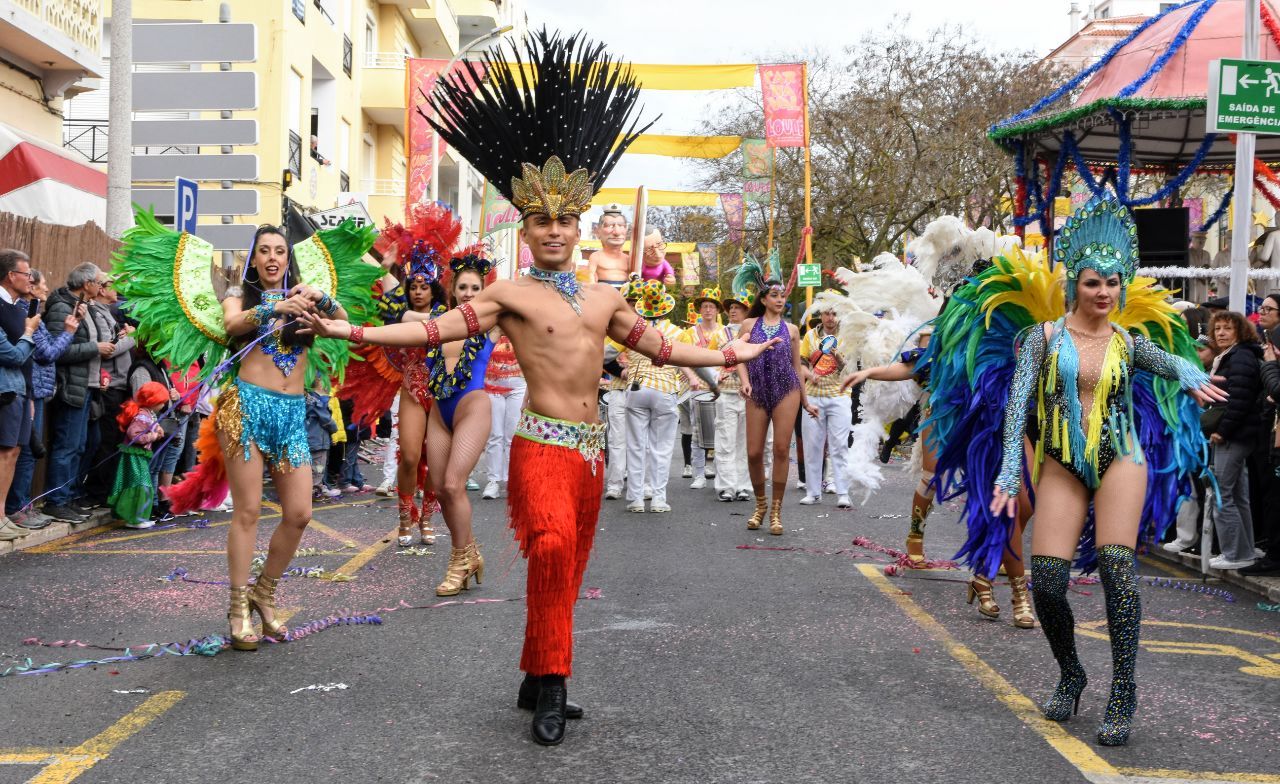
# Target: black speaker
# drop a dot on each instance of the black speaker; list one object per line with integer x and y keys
{"x": 1164, "y": 236}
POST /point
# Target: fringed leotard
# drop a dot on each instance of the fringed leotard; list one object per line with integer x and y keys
{"x": 1084, "y": 400}
{"x": 772, "y": 374}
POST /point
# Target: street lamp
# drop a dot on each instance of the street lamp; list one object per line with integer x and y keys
{"x": 448, "y": 69}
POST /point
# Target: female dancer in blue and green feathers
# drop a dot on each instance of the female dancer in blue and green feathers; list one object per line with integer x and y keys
{"x": 1115, "y": 441}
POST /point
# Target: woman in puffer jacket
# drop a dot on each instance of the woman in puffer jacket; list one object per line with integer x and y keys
{"x": 1235, "y": 435}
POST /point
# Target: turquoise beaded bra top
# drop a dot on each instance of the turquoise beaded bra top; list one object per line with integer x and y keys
{"x": 284, "y": 357}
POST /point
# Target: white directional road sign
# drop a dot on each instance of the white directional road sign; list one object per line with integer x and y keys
{"x": 163, "y": 133}
{"x": 195, "y": 91}
{"x": 196, "y": 167}
{"x": 330, "y": 218}
{"x": 194, "y": 42}
{"x": 213, "y": 201}
{"x": 227, "y": 236}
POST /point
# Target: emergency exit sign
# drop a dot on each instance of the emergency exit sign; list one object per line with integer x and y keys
{"x": 1244, "y": 95}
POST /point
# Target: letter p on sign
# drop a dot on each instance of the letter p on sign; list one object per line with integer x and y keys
{"x": 185, "y": 211}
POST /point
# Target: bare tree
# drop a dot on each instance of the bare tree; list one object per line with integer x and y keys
{"x": 898, "y": 131}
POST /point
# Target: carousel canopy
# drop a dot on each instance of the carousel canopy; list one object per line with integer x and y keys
{"x": 1147, "y": 95}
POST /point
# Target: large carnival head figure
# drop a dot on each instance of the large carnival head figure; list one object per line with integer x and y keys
{"x": 1100, "y": 236}
{"x": 612, "y": 230}
{"x": 545, "y": 122}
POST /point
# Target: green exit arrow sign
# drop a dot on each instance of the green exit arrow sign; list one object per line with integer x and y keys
{"x": 1244, "y": 95}
{"x": 808, "y": 275}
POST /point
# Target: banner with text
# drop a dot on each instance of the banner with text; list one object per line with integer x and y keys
{"x": 782, "y": 87}
{"x": 498, "y": 212}
{"x": 757, "y": 191}
{"x": 757, "y": 158}
{"x": 735, "y": 214}
{"x": 421, "y": 75}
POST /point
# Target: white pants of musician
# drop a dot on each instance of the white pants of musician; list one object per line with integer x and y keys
{"x": 390, "y": 453}
{"x": 731, "y": 443}
{"x": 830, "y": 429}
{"x": 616, "y": 474}
{"x": 505, "y": 412}
{"x": 651, "y": 436}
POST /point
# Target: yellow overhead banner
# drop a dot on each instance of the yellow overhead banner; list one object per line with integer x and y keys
{"x": 627, "y": 197}
{"x": 689, "y": 77}
{"x": 672, "y": 247}
{"x": 684, "y": 146}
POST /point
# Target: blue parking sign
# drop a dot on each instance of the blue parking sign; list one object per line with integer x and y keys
{"x": 185, "y": 211}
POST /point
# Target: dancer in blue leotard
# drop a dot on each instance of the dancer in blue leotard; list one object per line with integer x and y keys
{"x": 458, "y": 426}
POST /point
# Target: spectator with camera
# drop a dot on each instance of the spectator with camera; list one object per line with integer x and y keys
{"x": 17, "y": 326}
{"x": 43, "y": 382}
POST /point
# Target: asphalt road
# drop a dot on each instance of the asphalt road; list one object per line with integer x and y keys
{"x": 698, "y": 661}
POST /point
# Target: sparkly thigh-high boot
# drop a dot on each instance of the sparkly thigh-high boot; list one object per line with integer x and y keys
{"x": 1049, "y": 578}
{"x": 1124, "y": 616}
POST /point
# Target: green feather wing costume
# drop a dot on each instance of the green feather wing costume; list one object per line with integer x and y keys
{"x": 166, "y": 280}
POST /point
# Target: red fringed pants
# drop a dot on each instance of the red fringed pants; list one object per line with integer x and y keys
{"x": 554, "y": 503}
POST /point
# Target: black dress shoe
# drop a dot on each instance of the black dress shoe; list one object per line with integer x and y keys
{"x": 548, "y": 716}
{"x": 528, "y": 699}
{"x": 1261, "y": 567}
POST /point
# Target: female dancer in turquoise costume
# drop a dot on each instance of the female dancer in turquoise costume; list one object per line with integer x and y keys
{"x": 458, "y": 427}
{"x": 1115, "y": 442}
{"x": 258, "y": 423}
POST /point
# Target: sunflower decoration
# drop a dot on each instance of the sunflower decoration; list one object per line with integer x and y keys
{"x": 654, "y": 301}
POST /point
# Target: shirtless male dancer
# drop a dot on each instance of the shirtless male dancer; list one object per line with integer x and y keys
{"x": 610, "y": 264}
{"x": 556, "y": 325}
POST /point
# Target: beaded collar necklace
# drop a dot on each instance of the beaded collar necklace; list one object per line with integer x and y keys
{"x": 565, "y": 284}
{"x": 770, "y": 331}
{"x": 284, "y": 357}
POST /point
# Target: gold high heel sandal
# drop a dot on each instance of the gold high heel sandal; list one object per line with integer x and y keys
{"x": 408, "y": 519}
{"x": 757, "y": 517}
{"x": 980, "y": 589}
{"x": 462, "y": 567}
{"x": 915, "y": 549}
{"x": 240, "y": 612}
{"x": 775, "y": 517}
{"x": 477, "y": 561}
{"x": 263, "y": 599}
{"x": 1023, "y": 618}
{"x": 426, "y": 534}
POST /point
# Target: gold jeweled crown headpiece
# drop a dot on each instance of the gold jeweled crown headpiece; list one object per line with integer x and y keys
{"x": 545, "y": 127}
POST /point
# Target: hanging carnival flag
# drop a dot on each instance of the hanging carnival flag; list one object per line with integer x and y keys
{"x": 757, "y": 191}
{"x": 710, "y": 262}
{"x": 1195, "y": 211}
{"x": 735, "y": 213}
{"x": 782, "y": 87}
{"x": 757, "y": 158}
{"x": 421, "y": 79}
{"x": 498, "y": 212}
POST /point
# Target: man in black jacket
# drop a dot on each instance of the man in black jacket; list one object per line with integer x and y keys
{"x": 79, "y": 369}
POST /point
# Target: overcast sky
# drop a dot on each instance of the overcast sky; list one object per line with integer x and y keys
{"x": 735, "y": 31}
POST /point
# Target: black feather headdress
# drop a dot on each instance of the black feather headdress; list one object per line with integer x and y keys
{"x": 545, "y": 128}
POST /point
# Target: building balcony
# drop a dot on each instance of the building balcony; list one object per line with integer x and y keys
{"x": 434, "y": 28}
{"x": 57, "y": 40}
{"x": 476, "y": 17}
{"x": 382, "y": 88}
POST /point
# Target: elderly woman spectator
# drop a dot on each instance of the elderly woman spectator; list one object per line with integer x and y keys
{"x": 48, "y": 347}
{"x": 78, "y": 370}
{"x": 1234, "y": 435}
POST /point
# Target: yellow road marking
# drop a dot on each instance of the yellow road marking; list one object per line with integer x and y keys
{"x": 1072, "y": 749}
{"x": 64, "y": 766}
{"x": 366, "y": 555}
{"x": 324, "y": 529}
{"x": 1257, "y": 665}
{"x": 49, "y": 547}
{"x": 142, "y": 552}
{"x": 30, "y": 756}
{"x": 1167, "y": 568}
{"x": 1198, "y": 775}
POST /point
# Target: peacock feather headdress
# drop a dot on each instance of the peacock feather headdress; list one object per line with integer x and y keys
{"x": 545, "y": 127}
{"x": 757, "y": 277}
{"x": 1100, "y": 236}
